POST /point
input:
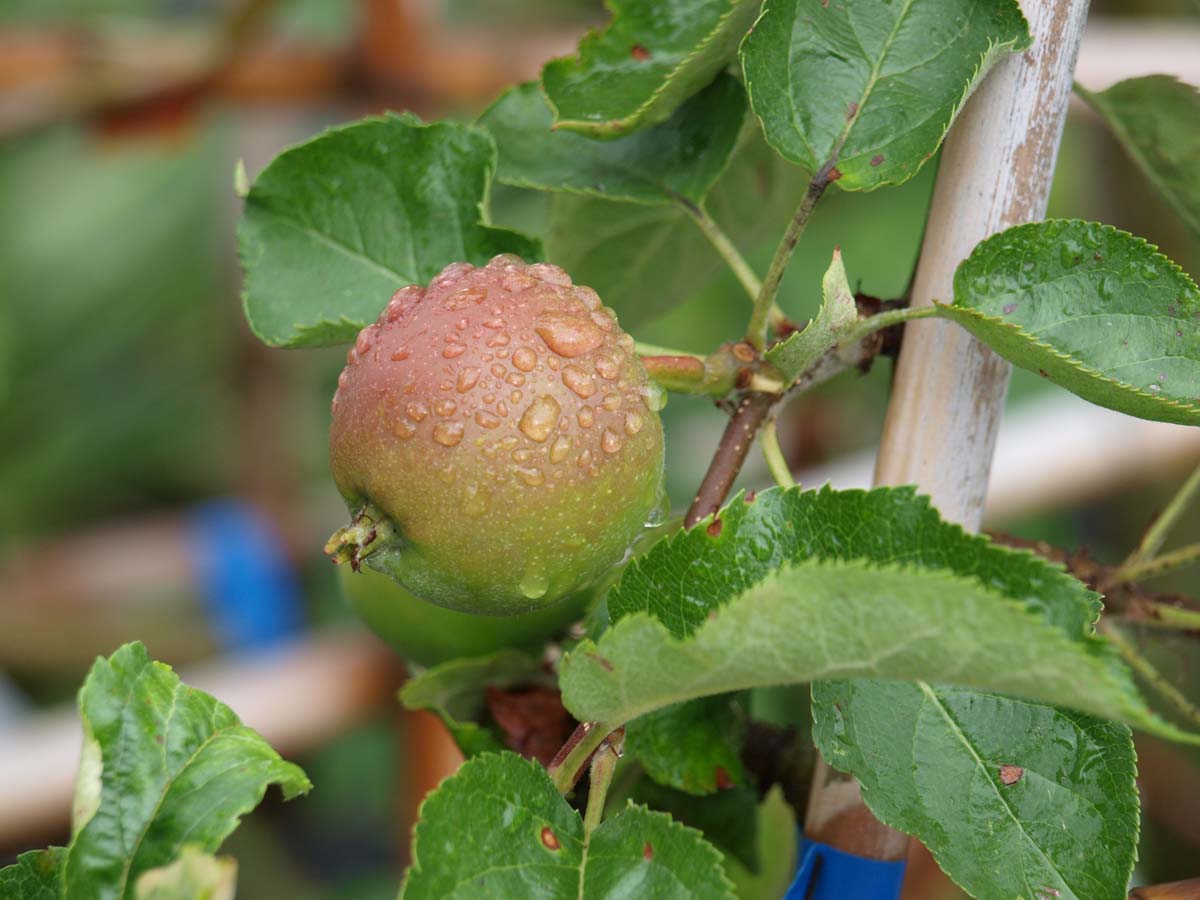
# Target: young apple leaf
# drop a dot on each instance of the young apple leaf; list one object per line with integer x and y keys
{"x": 333, "y": 227}
{"x": 1157, "y": 121}
{"x": 195, "y": 875}
{"x": 498, "y": 828}
{"x": 838, "y": 312}
{"x": 679, "y": 159}
{"x": 36, "y": 875}
{"x": 1014, "y": 799}
{"x": 174, "y": 765}
{"x": 652, "y": 56}
{"x": 694, "y": 747}
{"x": 1093, "y": 309}
{"x": 825, "y": 620}
{"x": 866, "y": 89}
{"x": 645, "y": 259}
{"x": 455, "y": 689}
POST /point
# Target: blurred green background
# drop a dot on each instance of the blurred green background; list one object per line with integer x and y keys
{"x": 130, "y": 389}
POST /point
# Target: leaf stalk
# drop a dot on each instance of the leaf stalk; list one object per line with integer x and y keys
{"x": 567, "y": 767}
{"x": 756, "y": 329}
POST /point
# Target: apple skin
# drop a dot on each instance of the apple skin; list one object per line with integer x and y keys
{"x": 496, "y": 439}
{"x": 428, "y": 635}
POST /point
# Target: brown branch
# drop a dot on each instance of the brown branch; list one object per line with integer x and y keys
{"x": 747, "y": 418}
{"x": 1176, "y": 890}
{"x": 1121, "y": 600}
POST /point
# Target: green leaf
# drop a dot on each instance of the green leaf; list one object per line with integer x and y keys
{"x": 837, "y": 314}
{"x": 36, "y": 875}
{"x": 777, "y": 846}
{"x": 652, "y": 56}
{"x": 645, "y": 259}
{"x": 694, "y": 747}
{"x": 195, "y": 875}
{"x": 691, "y": 574}
{"x": 498, "y": 828}
{"x": 454, "y": 691}
{"x": 821, "y": 620}
{"x": 176, "y": 766}
{"x": 728, "y": 819}
{"x": 1093, "y": 309}
{"x": 679, "y": 159}
{"x": 1059, "y": 820}
{"x": 1157, "y": 121}
{"x": 871, "y": 86}
{"x": 333, "y": 227}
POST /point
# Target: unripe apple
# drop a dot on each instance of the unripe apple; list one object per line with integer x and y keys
{"x": 430, "y": 635}
{"x": 496, "y": 439}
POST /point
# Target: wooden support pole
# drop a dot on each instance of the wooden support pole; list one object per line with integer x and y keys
{"x": 949, "y": 391}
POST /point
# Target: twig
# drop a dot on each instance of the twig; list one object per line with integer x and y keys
{"x": 756, "y": 330}
{"x": 748, "y": 417}
{"x": 1176, "y": 890}
{"x": 1149, "y": 673}
{"x": 1159, "y": 565}
{"x": 604, "y": 763}
{"x": 568, "y": 765}
{"x": 1124, "y": 601}
{"x": 725, "y": 248}
{"x": 879, "y": 321}
{"x": 1156, "y": 534}
{"x": 777, "y": 463}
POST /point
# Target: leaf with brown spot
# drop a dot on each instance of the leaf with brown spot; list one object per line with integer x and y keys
{"x": 499, "y": 828}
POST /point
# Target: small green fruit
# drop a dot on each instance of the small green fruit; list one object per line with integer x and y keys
{"x": 429, "y": 635}
{"x": 496, "y": 439}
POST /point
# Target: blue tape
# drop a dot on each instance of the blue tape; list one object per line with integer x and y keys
{"x": 247, "y": 582}
{"x": 824, "y": 873}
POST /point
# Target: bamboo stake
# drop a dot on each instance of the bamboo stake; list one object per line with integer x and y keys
{"x": 949, "y": 390}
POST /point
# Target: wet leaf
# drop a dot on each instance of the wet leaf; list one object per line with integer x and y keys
{"x": 818, "y": 620}
{"x": 839, "y": 585}
{"x": 679, "y": 159}
{"x": 1093, "y": 309}
{"x": 871, "y": 86}
{"x": 1014, "y": 799}
{"x": 334, "y": 226}
{"x": 652, "y": 56}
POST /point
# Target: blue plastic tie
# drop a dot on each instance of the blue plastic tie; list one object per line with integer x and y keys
{"x": 824, "y": 873}
{"x": 246, "y": 579}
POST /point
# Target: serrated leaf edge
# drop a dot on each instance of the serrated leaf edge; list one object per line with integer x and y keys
{"x": 955, "y": 309}
{"x": 669, "y": 198}
{"x": 612, "y": 128}
{"x": 990, "y": 56}
{"x": 868, "y": 796}
{"x": 1091, "y": 645}
{"x": 1094, "y": 599}
{"x": 713, "y": 852}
